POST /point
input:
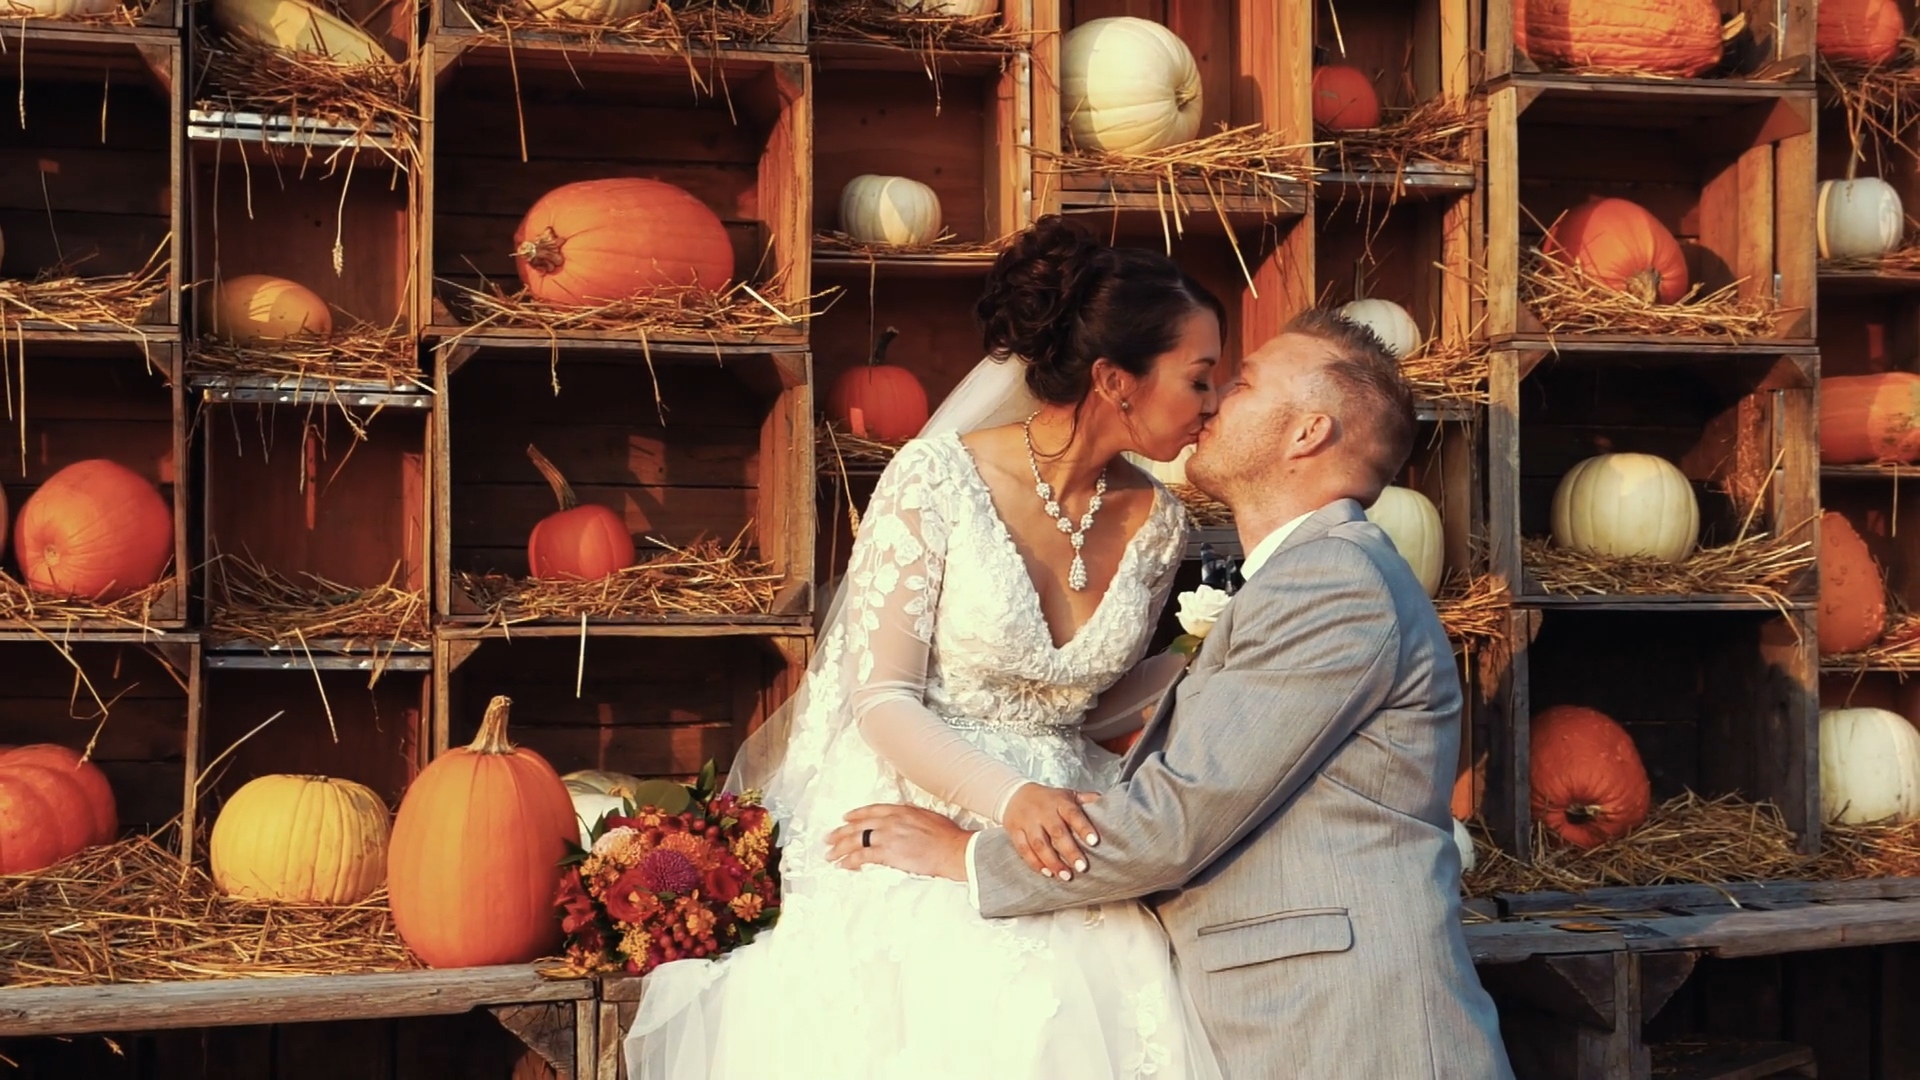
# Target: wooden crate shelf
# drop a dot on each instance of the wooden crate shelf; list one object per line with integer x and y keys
{"x": 122, "y": 402}
{"x": 1741, "y": 430}
{"x": 147, "y": 742}
{"x": 91, "y": 182}
{"x": 285, "y": 208}
{"x": 1731, "y": 178}
{"x": 1400, "y": 252}
{"x": 151, "y": 21}
{"x": 1414, "y": 54}
{"x": 961, "y": 136}
{"x": 446, "y": 1025}
{"x": 735, "y": 449}
{"x": 311, "y": 490}
{"x": 329, "y": 723}
{"x": 647, "y": 706}
{"x": 730, "y": 131}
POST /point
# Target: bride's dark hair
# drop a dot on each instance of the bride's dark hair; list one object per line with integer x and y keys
{"x": 1062, "y": 299}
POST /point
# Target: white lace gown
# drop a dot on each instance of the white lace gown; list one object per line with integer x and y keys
{"x": 880, "y": 974}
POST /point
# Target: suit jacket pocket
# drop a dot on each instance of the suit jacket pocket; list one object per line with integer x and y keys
{"x": 1274, "y": 937}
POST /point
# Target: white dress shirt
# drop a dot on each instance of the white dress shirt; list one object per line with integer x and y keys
{"x": 1249, "y": 566}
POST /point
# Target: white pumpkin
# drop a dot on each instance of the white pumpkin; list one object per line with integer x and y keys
{"x": 1617, "y": 505}
{"x": 589, "y": 806}
{"x": 301, "y": 27}
{"x": 957, "y": 9}
{"x": 1869, "y": 766}
{"x": 1388, "y": 321}
{"x": 606, "y": 783}
{"x": 1412, "y": 522}
{"x": 56, "y": 9}
{"x": 889, "y": 210}
{"x": 1464, "y": 840}
{"x": 1856, "y": 218}
{"x": 1167, "y": 472}
{"x": 1128, "y": 86}
{"x": 589, "y": 11}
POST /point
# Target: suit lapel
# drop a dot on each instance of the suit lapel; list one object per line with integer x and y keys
{"x": 1154, "y": 735}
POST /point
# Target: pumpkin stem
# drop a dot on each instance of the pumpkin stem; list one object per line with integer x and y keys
{"x": 1645, "y": 285}
{"x": 880, "y": 346}
{"x": 562, "y": 491}
{"x": 493, "y": 728}
{"x": 543, "y": 252}
{"x": 1584, "y": 815}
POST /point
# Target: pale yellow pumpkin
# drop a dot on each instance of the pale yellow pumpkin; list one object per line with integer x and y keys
{"x": 299, "y": 26}
{"x": 1389, "y": 322}
{"x": 1619, "y": 505}
{"x": 261, "y": 307}
{"x": 1128, "y": 86}
{"x": 300, "y": 839}
{"x": 604, "y": 782}
{"x": 1869, "y": 766}
{"x": 1412, "y": 522}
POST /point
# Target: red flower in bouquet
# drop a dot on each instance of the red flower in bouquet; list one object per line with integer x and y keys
{"x": 655, "y": 887}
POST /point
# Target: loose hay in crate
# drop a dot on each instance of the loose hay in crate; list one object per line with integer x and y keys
{"x": 703, "y": 24}
{"x": 1899, "y": 265}
{"x": 910, "y": 26}
{"x": 363, "y": 355}
{"x": 846, "y": 448}
{"x": 1886, "y": 849}
{"x": 1473, "y": 608}
{"x": 253, "y": 603}
{"x": 62, "y": 297}
{"x": 1880, "y": 100}
{"x": 132, "y": 612}
{"x": 1452, "y": 372}
{"x": 1689, "y": 839}
{"x": 1755, "y": 565}
{"x": 1567, "y": 301}
{"x": 370, "y": 102}
{"x": 1205, "y": 511}
{"x": 133, "y": 912}
{"x": 1437, "y": 131}
{"x": 1898, "y": 649}
{"x": 1246, "y": 162}
{"x": 944, "y": 244}
{"x": 738, "y": 312}
{"x": 701, "y": 579}
{"x": 118, "y": 16}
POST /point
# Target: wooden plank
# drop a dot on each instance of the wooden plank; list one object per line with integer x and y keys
{"x": 1732, "y": 895}
{"x": 1703, "y": 1059}
{"x": 1761, "y": 933}
{"x": 308, "y": 999}
{"x": 1503, "y": 209}
{"x": 1511, "y": 942}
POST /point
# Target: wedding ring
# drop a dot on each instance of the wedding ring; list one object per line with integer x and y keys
{"x": 866, "y": 837}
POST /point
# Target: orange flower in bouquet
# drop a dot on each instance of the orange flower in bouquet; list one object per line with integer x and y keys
{"x": 689, "y": 872}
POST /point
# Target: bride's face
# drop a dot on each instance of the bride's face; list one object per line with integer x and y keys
{"x": 1177, "y": 396}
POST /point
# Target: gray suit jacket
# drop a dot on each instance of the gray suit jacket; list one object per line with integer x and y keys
{"x": 1286, "y": 815}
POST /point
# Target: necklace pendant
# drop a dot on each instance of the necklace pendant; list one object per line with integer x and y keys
{"x": 1077, "y": 574}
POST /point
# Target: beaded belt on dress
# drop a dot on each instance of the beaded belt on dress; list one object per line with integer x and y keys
{"x": 1013, "y": 727}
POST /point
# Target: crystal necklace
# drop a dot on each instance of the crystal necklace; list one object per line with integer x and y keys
{"x": 1077, "y": 573}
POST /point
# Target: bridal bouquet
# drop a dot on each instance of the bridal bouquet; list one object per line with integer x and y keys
{"x": 693, "y": 878}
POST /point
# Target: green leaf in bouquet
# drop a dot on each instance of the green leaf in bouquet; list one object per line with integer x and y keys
{"x": 664, "y": 795}
{"x": 1185, "y": 645}
{"x": 709, "y": 779}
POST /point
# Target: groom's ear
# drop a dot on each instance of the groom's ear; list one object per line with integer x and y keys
{"x": 1311, "y": 434}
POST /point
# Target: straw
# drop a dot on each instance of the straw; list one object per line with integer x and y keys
{"x": 1879, "y": 100}
{"x": 371, "y": 101}
{"x": 364, "y": 354}
{"x": 738, "y": 311}
{"x": 132, "y": 612}
{"x": 1473, "y": 608}
{"x": 1438, "y": 131}
{"x": 1452, "y": 372}
{"x": 707, "y": 24}
{"x": 1567, "y": 301}
{"x": 1896, "y": 650}
{"x": 256, "y": 604}
{"x": 944, "y": 244}
{"x": 1755, "y": 565}
{"x": 701, "y": 579}
{"x": 911, "y": 25}
{"x": 65, "y": 299}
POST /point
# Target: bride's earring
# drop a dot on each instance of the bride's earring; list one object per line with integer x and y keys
{"x": 1126, "y": 406}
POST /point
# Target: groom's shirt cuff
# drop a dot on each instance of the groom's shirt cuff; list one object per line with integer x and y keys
{"x": 973, "y": 882}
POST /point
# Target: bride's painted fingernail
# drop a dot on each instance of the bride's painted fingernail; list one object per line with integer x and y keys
{"x": 1080, "y": 865}
{"x": 1066, "y": 875}
{"x": 1093, "y": 839}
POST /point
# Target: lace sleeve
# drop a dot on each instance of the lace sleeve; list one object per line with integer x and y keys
{"x": 1128, "y": 704}
{"x": 893, "y": 593}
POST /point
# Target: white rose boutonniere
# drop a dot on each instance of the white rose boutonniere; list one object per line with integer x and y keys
{"x": 1199, "y": 609}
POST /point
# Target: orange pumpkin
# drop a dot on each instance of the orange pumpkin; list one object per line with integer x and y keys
{"x": 1468, "y": 788}
{"x": 474, "y": 860}
{"x": 70, "y": 817}
{"x": 1344, "y": 98}
{"x": 1853, "y": 596}
{"x": 1662, "y": 37}
{"x": 95, "y": 529}
{"x": 1870, "y": 418}
{"x": 879, "y": 400}
{"x": 103, "y": 815}
{"x": 1588, "y": 785}
{"x": 1860, "y": 31}
{"x": 1622, "y": 246}
{"x": 599, "y": 240}
{"x": 29, "y": 838}
{"x": 583, "y": 542}
{"x": 1120, "y": 744}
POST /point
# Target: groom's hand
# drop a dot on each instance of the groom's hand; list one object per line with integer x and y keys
{"x": 903, "y": 837}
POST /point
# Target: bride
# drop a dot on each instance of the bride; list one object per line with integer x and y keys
{"x": 991, "y": 624}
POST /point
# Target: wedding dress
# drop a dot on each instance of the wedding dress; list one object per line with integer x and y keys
{"x": 938, "y": 683}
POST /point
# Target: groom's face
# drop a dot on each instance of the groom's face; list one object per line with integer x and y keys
{"x": 1247, "y": 441}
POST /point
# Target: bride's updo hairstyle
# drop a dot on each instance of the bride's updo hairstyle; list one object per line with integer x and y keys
{"x": 1061, "y": 300}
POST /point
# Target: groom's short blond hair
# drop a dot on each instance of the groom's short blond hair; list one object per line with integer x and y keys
{"x": 1368, "y": 375}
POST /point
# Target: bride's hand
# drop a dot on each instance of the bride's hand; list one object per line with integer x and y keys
{"x": 1047, "y": 827}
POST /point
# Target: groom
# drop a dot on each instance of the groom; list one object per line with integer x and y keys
{"x": 1285, "y": 812}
